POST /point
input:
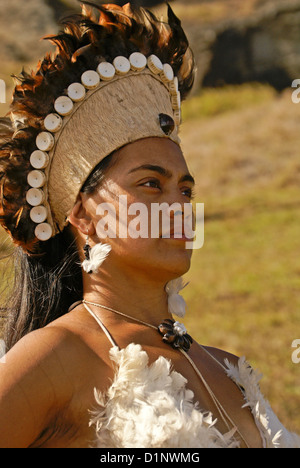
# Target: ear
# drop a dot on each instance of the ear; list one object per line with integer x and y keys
{"x": 80, "y": 218}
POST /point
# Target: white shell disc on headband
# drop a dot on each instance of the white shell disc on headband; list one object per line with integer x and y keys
{"x": 90, "y": 79}
{"x": 122, "y": 65}
{"x": 167, "y": 74}
{"x": 38, "y": 214}
{"x": 35, "y": 196}
{"x": 53, "y": 123}
{"x": 155, "y": 64}
{"x": 137, "y": 61}
{"x": 76, "y": 92}
{"x": 106, "y": 71}
{"x": 43, "y": 231}
{"x": 36, "y": 179}
{"x": 45, "y": 141}
{"x": 63, "y": 105}
{"x": 39, "y": 159}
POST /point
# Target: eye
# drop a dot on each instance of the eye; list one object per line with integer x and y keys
{"x": 153, "y": 183}
{"x": 188, "y": 192}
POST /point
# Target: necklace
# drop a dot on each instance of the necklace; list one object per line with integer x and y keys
{"x": 179, "y": 329}
{"x": 174, "y": 333}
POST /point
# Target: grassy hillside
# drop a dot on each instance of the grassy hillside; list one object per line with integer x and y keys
{"x": 242, "y": 146}
{"x": 214, "y": 11}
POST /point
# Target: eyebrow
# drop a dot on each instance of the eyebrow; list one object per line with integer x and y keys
{"x": 164, "y": 172}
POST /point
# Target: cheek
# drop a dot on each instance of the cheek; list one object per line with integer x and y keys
{"x": 122, "y": 218}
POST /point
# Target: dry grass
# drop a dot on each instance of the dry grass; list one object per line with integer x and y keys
{"x": 244, "y": 284}
{"x": 216, "y": 11}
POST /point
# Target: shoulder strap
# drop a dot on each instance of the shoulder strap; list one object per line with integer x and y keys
{"x": 101, "y": 325}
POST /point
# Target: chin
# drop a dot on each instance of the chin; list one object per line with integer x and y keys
{"x": 178, "y": 263}
{"x": 163, "y": 259}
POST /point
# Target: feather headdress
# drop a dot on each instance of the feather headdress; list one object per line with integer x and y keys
{"x": 100, "y": 33}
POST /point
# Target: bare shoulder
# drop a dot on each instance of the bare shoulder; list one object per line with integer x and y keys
{"x": 36, "y": 348}
{"x": 220, "y": 355}
{"x": 39, "y": 377}
{"x": 46, "y": 348}
{"x": 32, "y": 383}
{"x": 39, "y": 359}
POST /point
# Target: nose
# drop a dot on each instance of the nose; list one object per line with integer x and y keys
{"x": 182, "y": 218}
{"x": 173, "y": 219}
{"x": 176, "y": 200}
{"x": 177, "y": 213}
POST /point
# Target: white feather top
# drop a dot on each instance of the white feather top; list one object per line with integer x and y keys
{"x": 150, "y": 406}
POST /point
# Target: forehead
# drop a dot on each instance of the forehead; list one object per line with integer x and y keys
{"x": 162, "y": 151}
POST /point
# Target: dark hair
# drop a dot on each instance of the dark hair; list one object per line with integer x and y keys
{"x": 47, "y": 284}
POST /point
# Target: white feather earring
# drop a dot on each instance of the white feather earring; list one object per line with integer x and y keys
{"x": 94, "y": 256}
{"x": 176, "y": 303}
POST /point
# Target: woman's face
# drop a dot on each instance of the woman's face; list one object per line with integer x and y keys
{"x": 146, "y": 174}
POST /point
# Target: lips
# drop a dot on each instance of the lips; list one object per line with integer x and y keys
{"x": 180, "y": 235}
{"x": 171, "y": 233}
{"x": 179, "y": 229}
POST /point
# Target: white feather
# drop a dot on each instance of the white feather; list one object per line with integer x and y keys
{"x": 98, "y": 254}
{"x": 151, "y": 406}
{"x": 176, "y": 303}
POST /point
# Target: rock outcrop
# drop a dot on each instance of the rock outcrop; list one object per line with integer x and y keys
{"x": 22, "y": 24}
{"x": 264, "y": 47}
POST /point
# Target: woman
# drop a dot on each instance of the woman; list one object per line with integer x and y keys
{"x": 95, "y": 359}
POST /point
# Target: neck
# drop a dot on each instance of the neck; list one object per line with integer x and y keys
{"x": 131, "y": 294}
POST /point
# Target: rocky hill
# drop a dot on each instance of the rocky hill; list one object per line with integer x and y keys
{"x": 22, "y": 24}
{"x": 263, "y": 46}
{"x": 234, "y": 41}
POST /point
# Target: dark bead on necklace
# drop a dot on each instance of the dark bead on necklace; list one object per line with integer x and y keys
{"x": 175, "y": 335}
